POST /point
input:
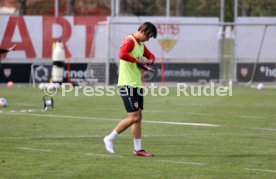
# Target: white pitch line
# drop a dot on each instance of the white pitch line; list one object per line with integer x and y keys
{"x": 183, "y": 123}
{"x": 62, "y": 116}
{"x": 182, "y": 162}
{"x": 166, "y": 161}
{"x": 250, "y": 117}
{"x": 160, "y": 111}
{"x": 101, "y": 136}
{"x": 52, "y": 137}
{"x": 266, "y": 129}
{"x": 110, "y": 119}
{"x": 33, "y": 149}
{"x": 117, "y": 156}
{"x": 144, "y": 121}
{"x": 261, "y": 170}
{"x": 220, "y": 115}
{"x": 207, "y": 114}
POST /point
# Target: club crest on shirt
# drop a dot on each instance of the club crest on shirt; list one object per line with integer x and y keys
{"x": 244, "y": 72}
{"x": 168, "y": 35}
{"x": 7, "y": 72}
{"x": 136, "y": 104}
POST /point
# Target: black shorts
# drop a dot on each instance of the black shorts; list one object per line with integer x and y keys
{"x": 132, "y": 97}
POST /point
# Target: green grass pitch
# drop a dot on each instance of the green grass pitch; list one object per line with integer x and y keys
{"x": 67, "y": 142}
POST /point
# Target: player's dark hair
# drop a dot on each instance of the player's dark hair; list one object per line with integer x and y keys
{"x": 148, "y": 29}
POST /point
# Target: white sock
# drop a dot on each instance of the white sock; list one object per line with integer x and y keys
{"x": 108, "y": 145}
{"x": 112, "y": 135}
{"x": 137, "y": 144}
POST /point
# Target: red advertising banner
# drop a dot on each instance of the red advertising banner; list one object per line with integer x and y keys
{"x": 35, "y": 35}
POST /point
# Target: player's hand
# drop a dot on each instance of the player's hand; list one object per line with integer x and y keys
{"x": 146, "y": 67}
{"x": 149, "y": 62}
{"x": 12, "y": 48}
{"x": 140, "y": 61}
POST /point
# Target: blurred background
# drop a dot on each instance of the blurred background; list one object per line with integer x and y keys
{"x": 198, "y": 40}
{"x": 198, "y": 8}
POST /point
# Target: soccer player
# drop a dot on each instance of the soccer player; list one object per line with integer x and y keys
{"x": 132, "y": 53}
